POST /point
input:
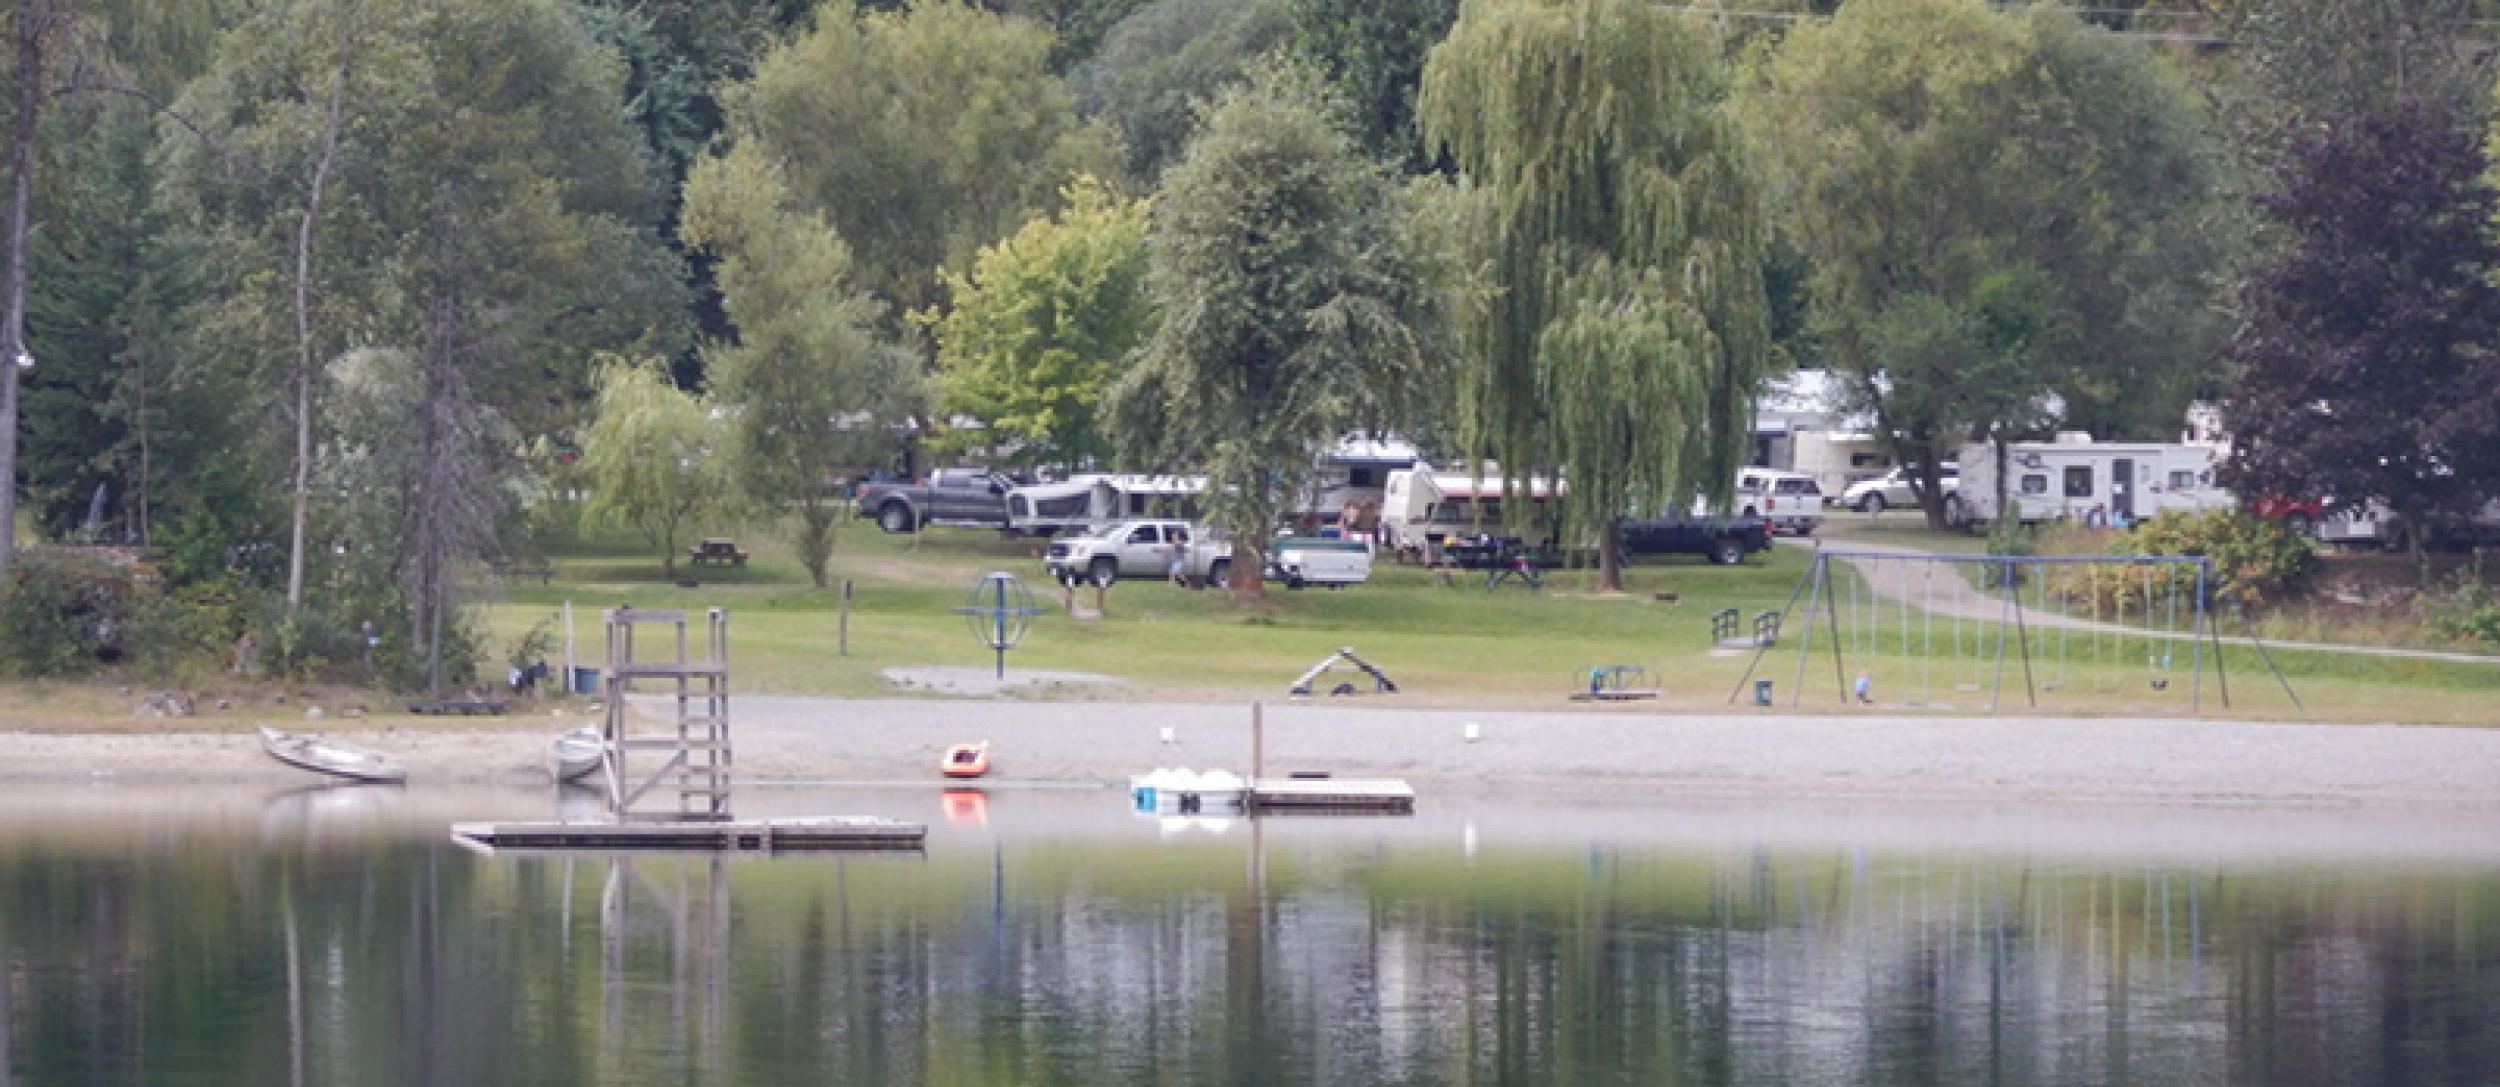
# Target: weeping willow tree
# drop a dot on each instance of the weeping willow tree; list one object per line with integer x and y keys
{"x": 1627, "y": 333}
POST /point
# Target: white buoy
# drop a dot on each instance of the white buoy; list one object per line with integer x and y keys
{"x": 1473, "y": 733}
{"x": 1167, "y": 734}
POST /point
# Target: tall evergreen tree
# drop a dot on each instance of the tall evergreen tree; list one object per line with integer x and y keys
{"x": 1623, "y": 231}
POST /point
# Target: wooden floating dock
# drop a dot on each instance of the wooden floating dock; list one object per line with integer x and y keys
{"x": 819, "y": 835}
{"x": 1384, "y": 796}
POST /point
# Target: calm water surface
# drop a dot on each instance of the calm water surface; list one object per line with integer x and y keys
{"x": 216, "y": 938}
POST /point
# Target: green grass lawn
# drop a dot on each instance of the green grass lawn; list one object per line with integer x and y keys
{"x": 1444, "y": 641}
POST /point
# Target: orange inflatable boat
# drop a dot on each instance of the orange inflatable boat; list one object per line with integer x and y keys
{"x": 966, "y": 760}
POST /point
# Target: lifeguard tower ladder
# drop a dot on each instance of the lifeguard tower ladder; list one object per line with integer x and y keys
{"x": 693, "y": 762}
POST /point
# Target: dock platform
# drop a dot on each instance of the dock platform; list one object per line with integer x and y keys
{"x": 1385, "y": 796}
{"x": 816, "y": 835}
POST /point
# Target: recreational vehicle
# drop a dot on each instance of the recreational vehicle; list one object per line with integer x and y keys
{"x": 1093, "y": 500}
{"x": 1423, "y": 511}
{"x": 2076, "y": 478}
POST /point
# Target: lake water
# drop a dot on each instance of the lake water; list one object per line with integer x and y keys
{"x": 225, "y": 937}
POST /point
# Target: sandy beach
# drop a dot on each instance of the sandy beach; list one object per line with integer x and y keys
{"x": 1619, "y": 747}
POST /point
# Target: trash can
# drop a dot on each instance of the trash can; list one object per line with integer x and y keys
{"x": 1762, "y": 692}
{"x": 585, "y": 681}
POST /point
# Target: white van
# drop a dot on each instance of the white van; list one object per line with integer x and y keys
{"x": 1791, "y": 501}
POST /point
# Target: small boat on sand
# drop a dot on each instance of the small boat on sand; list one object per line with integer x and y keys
{"x": 574, "y": 755}
{"x": 327, "y": 757}
{"x": 966, "y": 760}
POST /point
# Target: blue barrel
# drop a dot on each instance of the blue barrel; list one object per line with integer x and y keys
{"x": 1762, "y": 692}
{"x": 585, "y": 681}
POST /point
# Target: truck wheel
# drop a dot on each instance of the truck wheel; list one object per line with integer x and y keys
{"x": 894, "y": 517}
{"x": 1220, "y": 574}
{"x": 1104, "y": 571}
{"x": 2298, "y": 524}
{"x": 1727, "y": 551}
{"x": 1873, "y": 503}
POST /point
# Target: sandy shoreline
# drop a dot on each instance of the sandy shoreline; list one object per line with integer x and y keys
{"x": 1618, "y": 748}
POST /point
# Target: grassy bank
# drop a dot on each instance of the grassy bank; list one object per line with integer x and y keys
{"x": 1445, "y": 641}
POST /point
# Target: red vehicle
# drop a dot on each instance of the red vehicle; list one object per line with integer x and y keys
{"x": 2300, "y": 516}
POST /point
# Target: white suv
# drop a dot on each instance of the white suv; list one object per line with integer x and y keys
{"x": 1134, "y": 549}
{"x": 1791, "y": 501}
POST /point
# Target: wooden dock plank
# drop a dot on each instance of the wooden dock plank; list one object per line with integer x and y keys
{"x": 1332, "y": 794}
{"x": 736, "y": 836}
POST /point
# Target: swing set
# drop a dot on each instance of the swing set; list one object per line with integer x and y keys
{"x": 1964, "y": 613}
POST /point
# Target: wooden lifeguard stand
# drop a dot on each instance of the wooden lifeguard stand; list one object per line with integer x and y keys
{"x": 693, "y": 759}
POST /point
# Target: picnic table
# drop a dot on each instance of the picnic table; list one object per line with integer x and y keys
{"x": 506, "y": 568}
{"x": 716, "y": 550}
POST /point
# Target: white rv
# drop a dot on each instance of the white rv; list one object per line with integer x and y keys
{"x": 1422, "y": 510}
{"x": 2076, "y": 478}
{"x": 1094, "y": 500}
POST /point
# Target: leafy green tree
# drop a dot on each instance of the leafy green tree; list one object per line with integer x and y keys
{"x": 2365, "y": 361}
{"x": 1042, "y": 325}
{"x": 808, "y": 385}
{"x": 1922, "y": 146}
{"x": 488, "y": 215}
{"x": 1299, "y": 304}
{"x": 920, "y": 135}
{"x": 1629, "y": 334}
{"x": 1159, "y": 68}
{"x": 654, "y": 456}
{"x": 1373, "y": 52}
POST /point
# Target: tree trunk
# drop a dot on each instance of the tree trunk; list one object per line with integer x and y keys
{"x": 33, "y": 19}
{"x": 1610, "y": 558}
{"x": 305, "y": 371}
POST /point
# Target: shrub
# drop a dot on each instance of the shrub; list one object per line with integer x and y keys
{"x": 2256, "y": 561}
{"x": 63, "y": 615}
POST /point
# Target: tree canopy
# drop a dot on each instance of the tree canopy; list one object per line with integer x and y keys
{"x": 808, "y": 385}
{"x": 1621, "y": 225}
{"x": 2366, "y": 361}
{"x": 1920, "y": 147}
{"x": 1043, "y": 324}
{"x": 920, "y": 135}
{"x": 1298, "y": 305}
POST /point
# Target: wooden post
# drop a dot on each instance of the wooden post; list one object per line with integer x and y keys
{"x": 844, "y": 646}
{"x": 1258, "y": 741}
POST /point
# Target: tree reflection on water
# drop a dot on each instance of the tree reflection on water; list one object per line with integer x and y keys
{"x": 1062, "y": 940}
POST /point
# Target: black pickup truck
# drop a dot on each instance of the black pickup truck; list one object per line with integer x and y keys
{"x": 952, "y": 496}
{"x": 1724, "y": 540}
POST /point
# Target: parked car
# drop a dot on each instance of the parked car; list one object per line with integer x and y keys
{"x": 1137, "y": 548}
{"x": 1891, "y": 490}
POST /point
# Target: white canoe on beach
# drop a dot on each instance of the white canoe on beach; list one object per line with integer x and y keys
{"x": 322, "y": 756}
{"x": 572, "y": 756}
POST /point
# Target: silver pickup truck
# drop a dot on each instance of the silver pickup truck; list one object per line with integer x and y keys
{"x": 1144, "y": 548}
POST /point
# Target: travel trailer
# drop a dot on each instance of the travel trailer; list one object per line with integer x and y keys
{"x": 1096, "y": 499}
{"x": 1423, "y": 510}
{"x": 2076, "y": 478}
